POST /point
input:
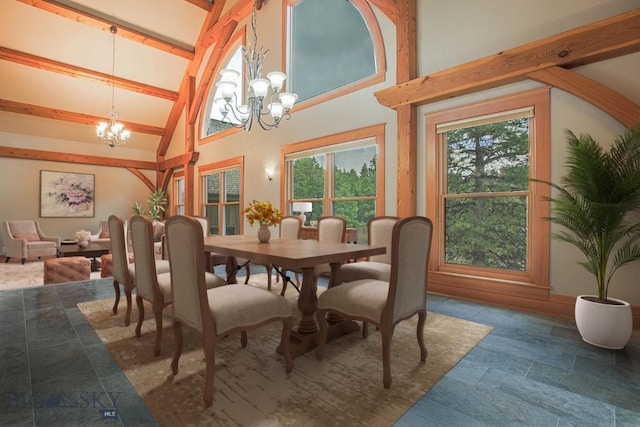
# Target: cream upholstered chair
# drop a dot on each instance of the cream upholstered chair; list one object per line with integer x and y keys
{"x": 24, "y": 239}
{"x": 379, "y": 230}
{"x": 386, "y": 303}
{"x": 216, "y": 312}
{"x": 103, "y": 233}
{"x": 151, "y": 286}
{"x": 330, "y": 229}
{"x": 124, "y": 272}
{"x": 290, "y": 227}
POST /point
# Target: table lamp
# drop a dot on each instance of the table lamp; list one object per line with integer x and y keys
{"x": 302, "y": 207}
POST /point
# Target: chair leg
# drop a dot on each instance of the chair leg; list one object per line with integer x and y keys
{"x": 247, "y": 269}
{"x": 140, "y": 304}
{"x": 422, "y": 316}
{"x": 116, "y": 288}
{"x": 7, "y": 260}
{"x": 321, "y": 317}
{"x": 269, "y": 271}
{"x": 127, "y": 315}
{"x": 23, "y": 260}
{"x": 210, "y": 358}
{"x": 365, "y": 330}
{"x": 287, "y": 326}
{"x": 243, "y": 339}
{"x": 386, "y": 332}
{"x": 177, "y": 333}
{"x": 158, "y": 315}
{"x": 284, "y": 285}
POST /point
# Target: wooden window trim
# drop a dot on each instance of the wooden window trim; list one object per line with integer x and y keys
{"x": 465, "y": 280}
{"x": 221, "y": 166}
{"x": 177, "y": 175}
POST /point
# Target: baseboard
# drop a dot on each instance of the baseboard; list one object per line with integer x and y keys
{"x": 555, "y": 305}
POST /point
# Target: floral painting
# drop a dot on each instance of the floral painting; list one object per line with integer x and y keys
{"x": 65, "y": 194}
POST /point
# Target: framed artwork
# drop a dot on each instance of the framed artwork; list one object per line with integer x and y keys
{"x": 67, "y": 195}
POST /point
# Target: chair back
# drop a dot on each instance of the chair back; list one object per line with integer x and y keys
{"x": 331, "y": 229}
{"x": 380, "y": 231}
{"x": 204, "y": 223}
{"x": 24, "y": 229}
{"x": 410, "y": 247}
{"x": 186, "y": 257}
{"x": 144, "y": 258}
{"x": 119, "y": 250}
{"x": 290, "y": 227}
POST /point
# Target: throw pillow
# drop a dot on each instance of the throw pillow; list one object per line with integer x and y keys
{"x": 104, "y": 235}
{"x": 28, "y": 237}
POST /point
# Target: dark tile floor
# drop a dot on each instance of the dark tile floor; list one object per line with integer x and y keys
{"x": 530, "y": 370}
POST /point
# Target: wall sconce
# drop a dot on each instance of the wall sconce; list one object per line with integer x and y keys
{"x": 269, "y": 173}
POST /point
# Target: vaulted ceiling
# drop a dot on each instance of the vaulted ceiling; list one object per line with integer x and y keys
{"x": 56, "y": 63}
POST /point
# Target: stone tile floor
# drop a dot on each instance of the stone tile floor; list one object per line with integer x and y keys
{"x": 530, "y": 370}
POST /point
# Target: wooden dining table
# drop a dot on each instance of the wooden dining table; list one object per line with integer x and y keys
{"x": 296, "y": 255}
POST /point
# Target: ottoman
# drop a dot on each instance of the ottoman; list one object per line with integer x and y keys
{"x": 106, "y": 265}
{"x": 68, "y": 269}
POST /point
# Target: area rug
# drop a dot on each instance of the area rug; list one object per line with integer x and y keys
{"x": 15, "y": 275}
{"x": 251, "y": 387}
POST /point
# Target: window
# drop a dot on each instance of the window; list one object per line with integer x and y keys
{"x": 320, "y": 61}
{"x": 487, "y": 213}
{"x": 221, "y": 196}
{"x": 340, "y": 175}
{"x": 178, "y": 192}
{"x": 213, "y": 123}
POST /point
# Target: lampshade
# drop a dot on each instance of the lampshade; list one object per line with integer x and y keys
{"x": 302, "y": 207}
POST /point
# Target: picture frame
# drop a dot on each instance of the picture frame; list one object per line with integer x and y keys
{"x": 67, "y": 194}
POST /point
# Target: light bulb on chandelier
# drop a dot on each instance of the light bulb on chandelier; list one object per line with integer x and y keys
{"x": 112, "y": 132}
{"x": 254, "y": 109}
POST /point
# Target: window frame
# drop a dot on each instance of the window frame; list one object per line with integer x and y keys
{"x": 325, "y": 144}
{"x": 177, "y": 177}
{"x": 372, "y": 24}
{"x": 472, "y": 278}
{"x": 220, "y": 168}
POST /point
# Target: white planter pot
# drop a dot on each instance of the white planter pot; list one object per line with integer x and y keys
{"x": 604, "y": 325}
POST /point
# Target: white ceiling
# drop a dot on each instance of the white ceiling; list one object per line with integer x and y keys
{"x": 43, "y": 33}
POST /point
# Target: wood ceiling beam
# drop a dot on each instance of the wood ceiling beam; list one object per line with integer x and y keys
{"x": 613, "y": 103}
{"x": 237, "y": 13}
{"x": 388, "y": 8}
{"x": 69, "y": 116}
{"x": 92, "y": 19}
{"x": 52, "y": 156}
{"x": 178, "y": 161}
{"x": 605, "y": 39}
{"x": 83, "y": 73}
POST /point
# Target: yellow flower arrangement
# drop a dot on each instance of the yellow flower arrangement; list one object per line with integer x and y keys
{"x": 263, "y": 213}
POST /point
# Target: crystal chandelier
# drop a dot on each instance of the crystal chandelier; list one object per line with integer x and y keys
{"x": 112, "y": 133}
{"x": 254, "y": 109}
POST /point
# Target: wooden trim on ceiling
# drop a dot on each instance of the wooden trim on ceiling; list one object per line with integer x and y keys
{"x": 237, "y": 13}
{"x": 605, "y": 39}
{"x": 202, "y": 4}
{"x": 613, "y": 103}
{"x": 91, "y": 18}
{"x": 150, "y": 185}
{"x": 69, "y": 116}
{"x": 84, "y": 73}
{"x": 53, "y": 156}
{"x": 178, "y": 161}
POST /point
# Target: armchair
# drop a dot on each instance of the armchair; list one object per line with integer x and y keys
{"x": 24, "y": 239}
{"x": 103, "y": 233}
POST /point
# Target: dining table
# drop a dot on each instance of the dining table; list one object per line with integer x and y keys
{"x": 297, "y": 256}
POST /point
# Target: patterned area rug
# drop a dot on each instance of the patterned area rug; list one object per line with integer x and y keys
{"x": 15, "y": 275}
{"x": 251, "y": 387}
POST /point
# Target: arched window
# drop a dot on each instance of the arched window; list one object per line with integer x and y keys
{"x": 332, "y": 45}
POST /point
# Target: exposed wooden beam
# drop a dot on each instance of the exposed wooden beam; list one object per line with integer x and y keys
{"x": 178, "y": 161}
{"x": 52, "y": 156}
{"x": 613, "y": 103}
{"x": 92, "y": 18}
{"x": 142, "y": 177}
{"x": 605, "y": 39}
{"x": 69, "y": 116}
{"x": 202, "y": 4}
{"x": 83, "y": 73}
{"x": 237, "y": 13}
{"x": 388, "y": 7}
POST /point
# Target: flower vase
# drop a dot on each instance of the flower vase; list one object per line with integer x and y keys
{"x": 264, "y": 234}
{"x": 83, "y": 243}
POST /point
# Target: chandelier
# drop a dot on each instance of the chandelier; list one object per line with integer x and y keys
{"x": 112, "y": 132}
{"x": 267, "y": 116}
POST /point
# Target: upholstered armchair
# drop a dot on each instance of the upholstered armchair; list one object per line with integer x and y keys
{"x": 103, "y": 233}
{"x": 24, "y": 239}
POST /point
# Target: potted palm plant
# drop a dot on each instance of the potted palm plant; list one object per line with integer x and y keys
{"x": 595, "y": 203}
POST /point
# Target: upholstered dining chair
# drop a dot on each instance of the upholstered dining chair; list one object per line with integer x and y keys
{"x": 385, "y": 303}
{"x": 123, "y": 271}
{"x": 151, "y": 286}
{"x": 330, "y": 229}
{"x": 24, "y": 239}
{"x": 217, "y": 312}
